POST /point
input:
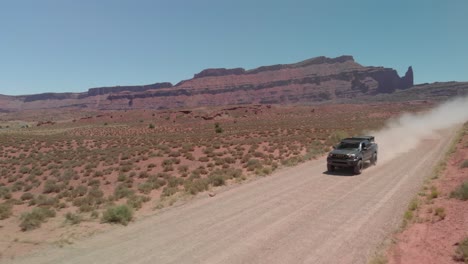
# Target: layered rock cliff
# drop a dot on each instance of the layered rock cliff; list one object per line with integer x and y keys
{"x": 313, "y": 80}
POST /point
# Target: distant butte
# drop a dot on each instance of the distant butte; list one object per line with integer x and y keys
{"x": 311, "y": 81}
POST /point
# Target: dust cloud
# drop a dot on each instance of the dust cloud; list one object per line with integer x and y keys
{"x": 406, "y": 132}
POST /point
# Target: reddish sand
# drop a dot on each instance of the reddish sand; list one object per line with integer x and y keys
{"x": 433, "y": 239}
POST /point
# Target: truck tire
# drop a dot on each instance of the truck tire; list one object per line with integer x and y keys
{"x": 358, "y": 167}
{"x": 330, "y": 168}
{"x": 373, "y": 160}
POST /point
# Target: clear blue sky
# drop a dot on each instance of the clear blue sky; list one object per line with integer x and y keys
{"x": 73, "y": 45}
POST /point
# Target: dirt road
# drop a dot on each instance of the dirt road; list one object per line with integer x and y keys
{"x": 298, "y": 215}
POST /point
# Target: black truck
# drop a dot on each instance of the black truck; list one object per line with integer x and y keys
{"x": 352, "y": 153}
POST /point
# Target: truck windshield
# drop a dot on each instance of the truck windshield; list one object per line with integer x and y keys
{"x": 348, "y": 145}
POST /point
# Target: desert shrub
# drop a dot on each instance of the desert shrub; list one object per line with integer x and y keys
{"x": 125, "y": 156}
{"x": 434, "y": 193}
{"x": 17, "y": 186}
{"x": 44, "y": 200}
{"x": 73, "y": 218}
{"x": 413, "y": 205}
{"x": 120, "y": 214}
{"x": 122, "y": 191}
{"x": 94, "y": 182}
{"x": 464, "y": 164}
{"x": 263, "y": 171}
{"x": 183, "y": 168}
{"x": 174, "y": 181}
{"x": 80, "y": 190}
{"x": 195, "y": 186}
{"x": 94, "y": 214}
{"x": 218, "y": 128}
{"x": 5, "y": 210}
{"x": 67, "y": 175}
{"x": 89, "y": 202}
{"x": 253, "y": 164}
{"x": 136, "y": 201}
{"x": 203, "y": 159}
{"x": 168, "y": 191}
{"x": 292, "y": 161}
{"x": 461, "y": 192}
{"x": 440, "y": 212}
{"x": 145, "y": 187}
{"x": 35, "y": 218}
{"x": 143, "y": 174}
{"x": 50, "y": 186}
{"x": 461, "y": 253}
{"x": 168, "y": 168}
{"x": 126, "y": 168}
{"x": 27, "y": 196}
{"x": 122, "y": 177}
{"x": 24, "y": 170}
{"x": 217, "y": 179}
{"x": 408, "y": 215}
{"x": 96, "y": 193}
{"x": 174, "y": 154}
{"x": 5, "y": 192}
{"x": 151, "y": 126}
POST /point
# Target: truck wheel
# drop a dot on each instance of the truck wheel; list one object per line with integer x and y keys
{"x": 358, "y": 167}
{"x": 330, "y": 168}
{"x": 373, "y": 160}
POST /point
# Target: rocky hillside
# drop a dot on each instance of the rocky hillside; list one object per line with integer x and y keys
{"x": 310, "y": 81}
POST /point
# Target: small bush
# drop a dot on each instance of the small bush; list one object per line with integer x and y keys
{"x": 464, "y": 164}
{"x": 151, "y": 126}
{"x": 196, "y": 186}
{"x": 461, "y": 253}
{"x": 73, "y": 218}
{"x": 5, "y": 192}
{"x": 122, "y": 191}
{"x": 414, "y": 204}
{"x": 51, "y": 186}
{"x": 168, "y": 191}
{"x": 27, "y": 196}
{"x": 408, "y": 215}
{"x": 120, "y": 214}
{"x": 440, "y": 212}
{"x": 145, "y": 187}
{"x": 5, "y": 210}
{"x": 434, "y": 193}
{"x": 217, "y": 179}
{"x": 35, "y": 218}
{"x": 461, "y": 192}
{"x": 136, "y": 201}
{"x": 218, "y": 128}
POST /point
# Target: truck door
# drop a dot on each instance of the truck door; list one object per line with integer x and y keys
{"x": 366, "y": 151}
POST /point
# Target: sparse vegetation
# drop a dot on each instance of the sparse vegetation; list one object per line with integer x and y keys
{"x": 35, "y": 218}
{"x": 440, "y": 212}
{"x": 5, "y": 210}
{"x": 84, "y": 169}
{"x": 461, "y": 253}
{"x": 461, "y": 192}
{"x": 73, "y": 218}
{"x": 464, "y": 164}
{"x": 120, "y": 214}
